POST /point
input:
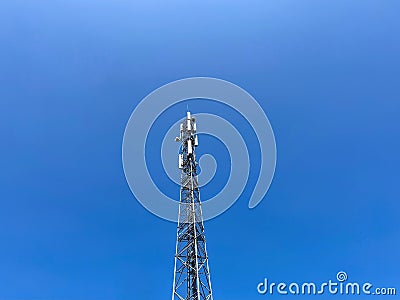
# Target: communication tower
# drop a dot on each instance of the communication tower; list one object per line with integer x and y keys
{"x": 191, "y": 271}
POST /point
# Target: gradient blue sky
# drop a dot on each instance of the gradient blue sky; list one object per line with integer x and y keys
{"x": 327, "y": 74}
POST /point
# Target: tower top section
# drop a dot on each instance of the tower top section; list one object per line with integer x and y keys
{"x": 189, "y": 140}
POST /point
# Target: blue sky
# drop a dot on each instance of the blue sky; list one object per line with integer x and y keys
{"x": 71, "y": 72}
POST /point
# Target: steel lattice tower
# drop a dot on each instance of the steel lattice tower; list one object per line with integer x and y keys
{"x": 191, "y": 272}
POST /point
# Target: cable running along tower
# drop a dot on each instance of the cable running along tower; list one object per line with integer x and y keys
{"x": 191, "y": 272}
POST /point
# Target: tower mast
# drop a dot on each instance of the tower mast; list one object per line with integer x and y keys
{"x": 191, "y": 271}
